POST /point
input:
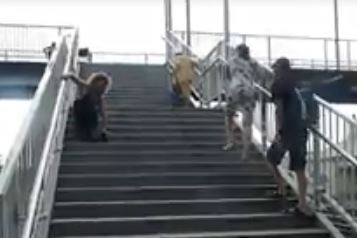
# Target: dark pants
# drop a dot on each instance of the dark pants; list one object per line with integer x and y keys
{"x": 295, "y": 144}
{"x": 86, "y": 118}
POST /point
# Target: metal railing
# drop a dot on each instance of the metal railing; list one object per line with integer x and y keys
{"x": 207, "y": 85}
{"x": 319, "y": 52}
{"x": 128, "y": 58}
{"x": 332, "y": 166}
{"x": 28, "y": 177}
{"x": 21, "y": 42}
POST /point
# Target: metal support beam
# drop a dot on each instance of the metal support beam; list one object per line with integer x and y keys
{"x": 337, "y": 35}
{"x": 168, "y": 25}
{"x": 188, "y": 23}
{"x": 168, "y": 29}
{"x": 226, "y": 28}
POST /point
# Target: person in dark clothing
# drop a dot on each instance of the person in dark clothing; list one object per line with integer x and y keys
{"x": 89, "y": 110}
{"x": 49, "y": 50}
{"x": 291, "y": 132}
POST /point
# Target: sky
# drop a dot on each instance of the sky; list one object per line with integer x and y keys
{"x": 138, "y": 25}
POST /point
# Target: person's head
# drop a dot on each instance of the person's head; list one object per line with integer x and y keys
{"x": 281, "y": 67}
{"x": 99, "y": 83}
{"x": 243, "y": 51}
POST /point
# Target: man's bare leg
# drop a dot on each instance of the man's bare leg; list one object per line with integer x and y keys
{"x": 247, "y": 133}
{"x": 302, "y": 184}
{"x": 229, "y": 123}
{"x": 278, "y": 179}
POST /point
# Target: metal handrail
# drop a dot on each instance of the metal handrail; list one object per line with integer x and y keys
{"x": 264, "y": 36}
{"x": 219, "y": 44}
{"x": 19, "y": 174}
{"x": 46, "y": 154}
{"x": 318, "y": 195}
{"x": 183, "y": 44}
{"x": 314, "y": 178}
{"x": 334, "y": 110}
{"x": 67, "y": 27}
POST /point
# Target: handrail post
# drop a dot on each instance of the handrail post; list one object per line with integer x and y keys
{"x": 146, "y": 58}
{"x": 168, "y": 28}
{"x": 326, "y": 53}
{"x": 349, "y": 57}
{"x": 226, "y": 28}
{"x": 316, "y": 169}
{"x": 188, "y": 24}
{"x": 269, "y": 51}
{"x": 264, "y": 122}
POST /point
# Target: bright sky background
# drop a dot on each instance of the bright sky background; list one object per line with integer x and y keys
{"x": 138, "y": 25}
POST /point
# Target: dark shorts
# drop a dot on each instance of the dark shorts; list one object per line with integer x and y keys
{"x": 295, "y": 144}
{"x": 241, "y": 99}
{"x": 86, "y": 118}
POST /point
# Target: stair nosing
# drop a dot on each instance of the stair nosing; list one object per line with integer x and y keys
{"x": 223, "y": 234}
{"x": 164, "y": 174}
{"x": 179, "y": 217}
{"x": 168, "y": 202}
{"x": 172, "y": 187}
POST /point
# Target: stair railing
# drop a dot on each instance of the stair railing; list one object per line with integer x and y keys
{"x": 331, "y": 167}
{"x": 207, "y": 87}
{"x": 27, "y": 180}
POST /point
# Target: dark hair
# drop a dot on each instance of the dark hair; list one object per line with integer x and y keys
{"x": 283, "y": 63}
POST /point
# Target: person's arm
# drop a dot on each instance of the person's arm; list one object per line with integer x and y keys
{"x": 264, "y": 76}
{"x": 77, "y": 80}
{"x": 279, "y": 115}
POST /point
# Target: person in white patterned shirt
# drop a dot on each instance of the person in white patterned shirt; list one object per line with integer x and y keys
{"x": 243, "y": 72}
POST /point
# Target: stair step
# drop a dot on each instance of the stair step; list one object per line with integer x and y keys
{"x": 144, "y": 208}
{"x": 173, "y": 136}
{"x": 187, "y": 192}
{"x": 120, "y": 168}
{"x": 174, "y": 224}
{"x": 161, "y": 120}
{"x": 158, "y": 108}
{"x": 286, "y": 233}
{"x": 159, "y": 129}
{"x": 147, "y": 146}
{"x": 196, "y": 155}
{"x": 157, "y": 179}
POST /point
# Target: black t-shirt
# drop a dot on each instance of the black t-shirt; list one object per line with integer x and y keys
{"x": 292, "y": 105}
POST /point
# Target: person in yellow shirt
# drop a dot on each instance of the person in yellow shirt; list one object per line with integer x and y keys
{"x": 183, "y": 75}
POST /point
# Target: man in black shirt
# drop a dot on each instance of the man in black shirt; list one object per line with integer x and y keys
{"x": 291, "y": 130}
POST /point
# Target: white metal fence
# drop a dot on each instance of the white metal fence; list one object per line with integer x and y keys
{"x": 332, "y": 165}
{"x": 29, "y": 170}
{"x": 20, "y": 42}
{"x": 304, "y": 52}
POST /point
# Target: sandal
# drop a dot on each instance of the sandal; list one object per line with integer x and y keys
{"x": 298, "y": 212}
{"x": 228, "y": 147}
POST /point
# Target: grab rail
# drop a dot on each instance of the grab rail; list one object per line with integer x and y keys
{"x": 21, "y": 185}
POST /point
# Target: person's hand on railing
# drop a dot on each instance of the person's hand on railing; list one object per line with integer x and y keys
{"x": 69, "y": 75}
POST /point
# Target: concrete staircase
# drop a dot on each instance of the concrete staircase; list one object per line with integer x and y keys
{"x": 163, "y": 174}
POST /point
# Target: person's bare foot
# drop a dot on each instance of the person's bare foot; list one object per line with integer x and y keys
{"x": 229, "y": 146}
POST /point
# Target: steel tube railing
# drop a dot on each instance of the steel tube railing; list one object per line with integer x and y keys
{"x": 26, "y": 157}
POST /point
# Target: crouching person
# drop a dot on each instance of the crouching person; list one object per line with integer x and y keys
{"x": 89, "y": 109}
{"x": 291, "y": 135}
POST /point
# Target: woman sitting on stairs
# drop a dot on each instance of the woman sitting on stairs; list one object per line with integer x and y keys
{"x": 89, "y": 109}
